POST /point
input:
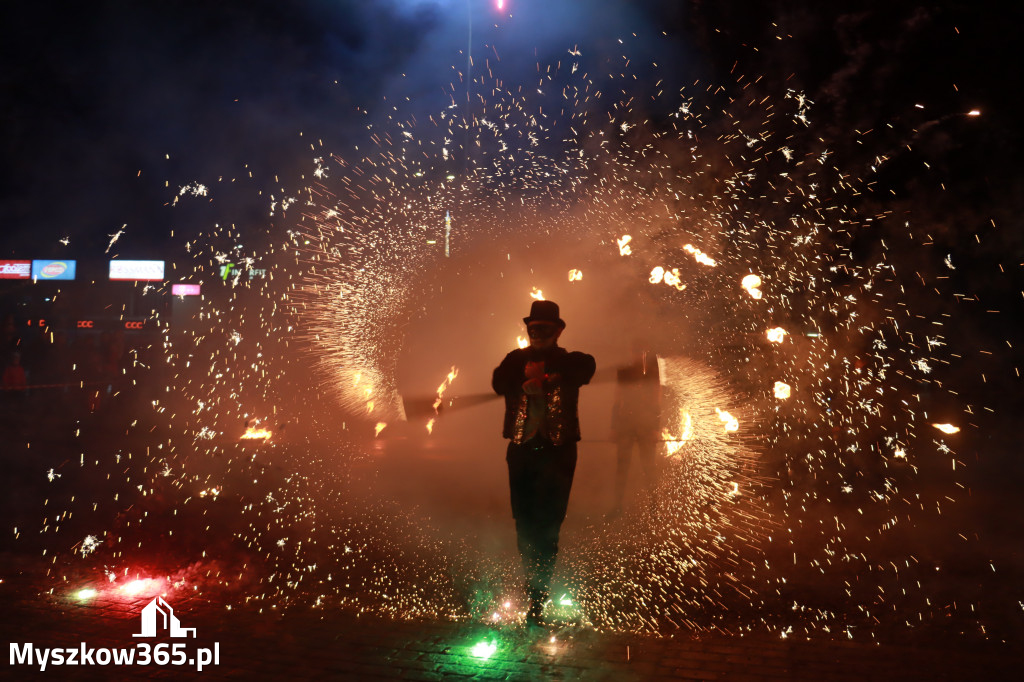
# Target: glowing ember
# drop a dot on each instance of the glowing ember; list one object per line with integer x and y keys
{"x": 537, "y": 294}
{"x": 575, "y": 275}
{"x": 776, "y": 334}
{"x": 380, "y": 427}
{"x": 657, "y": 274}
{"x": 782, "y": 390}
{"x": 947, "y": 428}
{"x": 731, "y": 423}
{"x": 751, "y": 284}
{"x": 522, "y": 341}
{"x": 624, "y": 248}
{"x": 430, "y": 425}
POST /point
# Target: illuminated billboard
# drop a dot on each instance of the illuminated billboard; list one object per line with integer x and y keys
{"x": 137, "y": 270}
{"x": 15, "y": 269}
{"x": 185, "y": 289}
{"x": 53, "y": 269}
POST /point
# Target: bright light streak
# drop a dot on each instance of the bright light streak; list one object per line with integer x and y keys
{"x": 380, "y": 427}
{"x": 974, "y": 112}
{"x": 947, "y": 428}
{"x": 87, "y": 593}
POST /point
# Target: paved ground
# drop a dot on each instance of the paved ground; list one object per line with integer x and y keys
{"x": 331, "y": 644}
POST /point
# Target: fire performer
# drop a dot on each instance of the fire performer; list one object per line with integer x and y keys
{"x": 541, "y": 386}
{"x": 636, "y": 418}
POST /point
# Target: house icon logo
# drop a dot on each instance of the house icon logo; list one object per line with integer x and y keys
{"x": 158, "y": 614}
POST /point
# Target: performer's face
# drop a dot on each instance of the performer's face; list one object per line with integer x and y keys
{"x": 543, "y": 334}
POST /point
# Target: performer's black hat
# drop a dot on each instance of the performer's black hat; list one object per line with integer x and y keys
{"x": 544, "y": 311}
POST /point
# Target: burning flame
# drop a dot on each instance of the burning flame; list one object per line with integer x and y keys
{"x": 669, "y": 277}
{"x": 699, "y": 255}
{"x": 380, "y": 427}
{"x": 776, "y": 334}
{"x": 624, "y": 249}
{"x": 782, "y": 390}
{"x": 731, "y": 423}
{"x": 751, "y": 284}
{"x": 522, "y": 341}
{"x": 454, "y": 372}
{"x": 575, "y": 275}
{"x": 947, "y": 428}
{"x": 252, "y": 433}
{"x": 673, "y": 444}
{"x": 537, "y": 294}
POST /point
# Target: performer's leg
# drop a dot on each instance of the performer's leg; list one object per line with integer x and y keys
{"x": 623, "y": 448}
{"x": 647, "y": 447}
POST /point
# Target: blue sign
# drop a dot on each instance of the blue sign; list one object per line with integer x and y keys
{"x": 53, "y": 269}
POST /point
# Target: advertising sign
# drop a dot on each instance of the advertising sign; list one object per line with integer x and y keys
{"x": 15, "y": 269}
{"x": 137, "y": 270}
{"x": 185, "y": 289}
{"x": 53, "y": 269}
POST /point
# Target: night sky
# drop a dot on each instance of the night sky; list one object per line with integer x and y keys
{"x": 94, "y": 93}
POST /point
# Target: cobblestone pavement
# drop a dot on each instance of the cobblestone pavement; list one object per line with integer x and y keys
{"x": 326, "y": 644}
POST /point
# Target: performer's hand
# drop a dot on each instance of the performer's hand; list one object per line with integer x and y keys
{"x": 533, "y": 386}
{"x": 535, "y": 370}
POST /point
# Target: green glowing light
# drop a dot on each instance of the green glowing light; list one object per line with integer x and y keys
{"x": 87, "y": 593}
{"x": 483, "y": 649}
{"x": 565, "y": 600}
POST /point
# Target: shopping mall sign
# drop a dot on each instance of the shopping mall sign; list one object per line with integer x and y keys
{"x": 53, "y": 269}
{"x": 15, "y": 269}
{"x": 137, "y": 270}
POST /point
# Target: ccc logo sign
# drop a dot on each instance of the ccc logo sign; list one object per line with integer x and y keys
{"x": 134, "y": 325}
{"x": 85, "y": 324}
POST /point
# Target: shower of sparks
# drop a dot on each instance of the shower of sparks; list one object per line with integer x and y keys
{"x": 313, "y": 325}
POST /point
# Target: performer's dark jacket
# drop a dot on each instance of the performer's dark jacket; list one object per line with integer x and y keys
{"x": 565, "y": 373}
